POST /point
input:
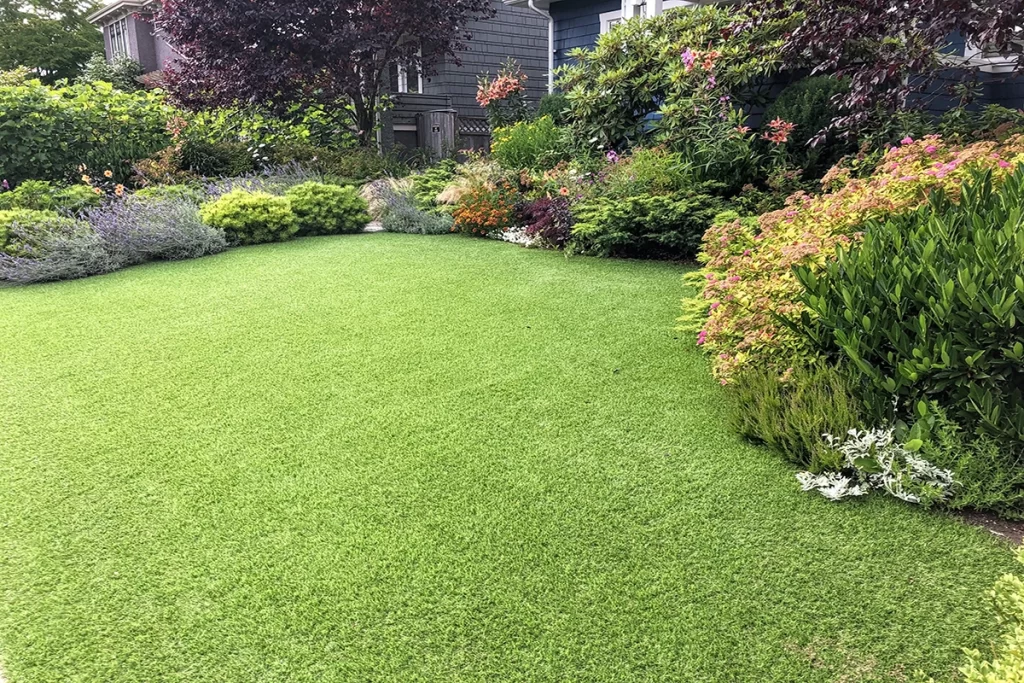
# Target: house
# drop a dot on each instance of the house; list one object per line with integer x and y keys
{"x": 579, "y": 23}
{"x": 515, "y": 32}
{"x": 128, "y": 32}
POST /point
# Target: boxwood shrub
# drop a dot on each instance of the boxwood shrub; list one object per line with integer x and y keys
{"x": 251, "y": 217}
{"x": 324, "y": 209}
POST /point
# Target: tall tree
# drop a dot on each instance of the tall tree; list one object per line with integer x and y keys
{"x": 329, "y": 52}
{"x": 51, "y": 37}
{"x": 891, "y": 49}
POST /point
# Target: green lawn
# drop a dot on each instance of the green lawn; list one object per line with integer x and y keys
{"x": 391, "y": 457}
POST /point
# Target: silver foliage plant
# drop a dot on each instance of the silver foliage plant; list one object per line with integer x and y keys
{"x": 873, "y": 460}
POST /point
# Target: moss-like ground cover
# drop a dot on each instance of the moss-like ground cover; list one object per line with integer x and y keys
{"x": 401, "y": 458}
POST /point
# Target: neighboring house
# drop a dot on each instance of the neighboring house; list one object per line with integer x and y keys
{"x": 513, "y": 32}
{"x": 128, "y": 31}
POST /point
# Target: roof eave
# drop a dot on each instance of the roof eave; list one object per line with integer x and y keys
{"x": 116, "y": 7}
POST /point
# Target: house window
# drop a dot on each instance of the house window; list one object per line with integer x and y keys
{"x": 119, "y": 39}
{"x": 410, "y": 78}
{"x": 610, "y": 19}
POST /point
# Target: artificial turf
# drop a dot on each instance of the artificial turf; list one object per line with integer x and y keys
{"x": 405, "y": 458}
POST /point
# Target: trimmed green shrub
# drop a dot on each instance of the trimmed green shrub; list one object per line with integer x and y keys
{"x": 527, "y": 145}
{"x": 324, "y": 209}
{"x": 790, "y": 414}
{"x": 808, "y": 104}
{"x": 40, "y": 195}
{"x": 643, "y": 226}
{"x": 251, "y": 217}
{"x": 930, "y": 307}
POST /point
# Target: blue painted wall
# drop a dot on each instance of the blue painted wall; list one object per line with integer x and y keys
{"x": 578, "y": 24}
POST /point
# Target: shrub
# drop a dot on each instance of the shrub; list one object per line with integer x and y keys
{"x": 45, "y": 133}
{"x": 407, "y": 218}
{"x": 635, "y": 70}
{"x": 251, "y": 217}
{"x": 485, "y": 210}
{"x": 988, "y": 471}
{"x": 41, "y": 195}
{"x": 929, "y": 308}
{"x": 18, "y": 228}
{"x": 138, "y": 229}
{"x": 643, "y": 226}
{"x": 121, "y": 72}
{"x": 647, "y": 170}
{"x": 191, "y": 193}
{"x": 355, "y": 166}
{"x": 748, "y": 281}
{"x": 429, "y": 184}
{"x": 789, "y": 414}
{"x": 327, "y": 209}
{"x": 555, "y": 106}
{"x": 214, "y": 159}
{"x": 527, "y": 144}
{"x": 808, "y": 104}
{"x": 276, "y": 180}
{"x": 549, "y": 220}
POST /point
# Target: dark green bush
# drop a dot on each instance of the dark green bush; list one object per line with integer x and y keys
{"x": 40, "y": 195}
{"x": 930, "y": 307}
{"x": 643, "y": 226}
{"x": 808, "y": 104}
{"x": 791, "y": 413}
{"x": 251, "y": 217}
{"x": 324, "y": 209}
{"x": 214, "y": 159}
{"x": 555, "y": 105}
{"x": 354, "y": 166}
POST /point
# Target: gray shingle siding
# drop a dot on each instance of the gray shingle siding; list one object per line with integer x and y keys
{"x": 514, "y": 32}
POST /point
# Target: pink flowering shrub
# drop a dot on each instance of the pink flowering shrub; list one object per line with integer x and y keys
{"x": 747, "y": 280}
{"x": 504, "y": 98}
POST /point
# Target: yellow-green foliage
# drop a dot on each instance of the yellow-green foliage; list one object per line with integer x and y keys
{"x": 527, "y": 144}
{"x": 251, "y": 217}
{"x": 748, "y": 275}
{"x": 324, "y": 209}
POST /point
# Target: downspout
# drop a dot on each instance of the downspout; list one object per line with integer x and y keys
{"x": 551, "y": 42}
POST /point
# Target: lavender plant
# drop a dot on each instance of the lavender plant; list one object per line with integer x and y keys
{"x": 874, "y": 460}
{"x": 275, "y": 180}
{"x": 393, "y": 204}
{"x": 53, "y": 250}
{"x": 135, "y": 230}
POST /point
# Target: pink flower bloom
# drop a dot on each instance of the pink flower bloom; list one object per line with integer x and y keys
{"x": 1004, "y": 164}
{"x": 931, "y": 149}
{"x": 702, "y": 337}
{"x": 689, "y": 57}
{"x": 715, "y": 305}
{"x": 907, "y": 141}
{"x": 746, "y": 253}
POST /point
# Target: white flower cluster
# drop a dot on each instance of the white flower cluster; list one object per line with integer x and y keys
{"x": 872, "y": 460}
{"x": 517, "y": 236}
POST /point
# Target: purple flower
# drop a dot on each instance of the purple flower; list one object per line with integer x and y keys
{"x": 4, "y": 184}
{"x": 689, "y": 57}
{"x": 612, "y": 157}
{"x": 712, "y": 82}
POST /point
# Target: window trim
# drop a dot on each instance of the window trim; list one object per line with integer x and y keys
{"x": 119, "y": 43}
{"x": 609, "y": 19}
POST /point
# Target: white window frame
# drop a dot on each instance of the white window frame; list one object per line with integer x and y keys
{"x": 641, "y": 9}
{"x": 119, "y": 43}
{"x": 403, "y": 77}
{"x": 610, "y": 19}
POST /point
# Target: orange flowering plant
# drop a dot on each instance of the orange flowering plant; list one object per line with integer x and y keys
{"x": 485, "y": 209}
{"x": 747, "y": 282}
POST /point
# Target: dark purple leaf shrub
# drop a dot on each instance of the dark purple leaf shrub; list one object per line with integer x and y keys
{"x": 549, "y": 219}
{"x": 135, "y": 230}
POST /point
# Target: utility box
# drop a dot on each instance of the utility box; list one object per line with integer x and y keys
{"x": 437, "y": 131}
